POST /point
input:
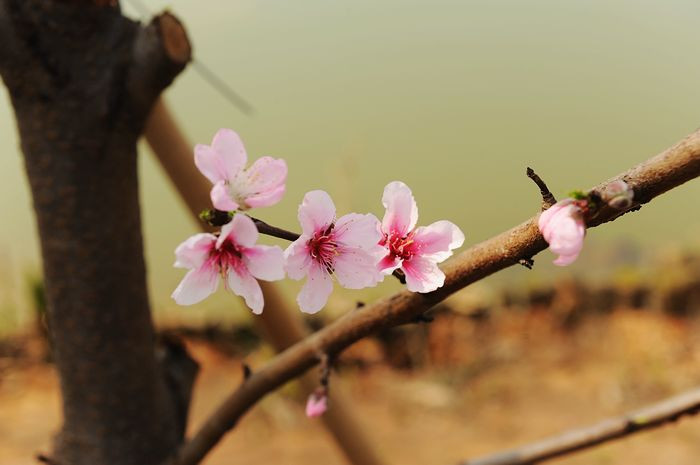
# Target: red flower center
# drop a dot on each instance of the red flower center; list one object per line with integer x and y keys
{"x": 225, "y": 256}
{"x": 323, "y": 248}
{"x": 399, "y": 246}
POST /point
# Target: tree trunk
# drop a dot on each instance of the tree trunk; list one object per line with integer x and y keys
{"x": 82, "y": 79}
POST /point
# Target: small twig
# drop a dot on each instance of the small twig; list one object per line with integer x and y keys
{"x": 423, "y": 318}
{"x": 398, "y": 274}
{"x": 218, "y": 218}
{"x": 652, "y": 416}
{"x": 326, "y": 365}
{"x": 246, "y": 371}
{"x": 547, "y": 197}
{"x": 274, "y": 231}
{"x": 43, "y": 458}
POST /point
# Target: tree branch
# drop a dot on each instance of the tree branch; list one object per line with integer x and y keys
{"x": 652, "y": 416}
{"x": 671, "y": 168}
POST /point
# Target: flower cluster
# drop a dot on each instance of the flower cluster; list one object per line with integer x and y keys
{"x": 356, "y": 250}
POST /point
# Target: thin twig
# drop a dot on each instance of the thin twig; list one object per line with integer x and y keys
{"x": 274, "y": 231}
{"x": 547, "y": 197}
{"x": 653, "y": 416}
{"x": 657, "y": 175}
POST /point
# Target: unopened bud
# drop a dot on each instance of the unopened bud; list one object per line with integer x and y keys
{"x": 618, "y": 194}
{"x": 317, "y": 403}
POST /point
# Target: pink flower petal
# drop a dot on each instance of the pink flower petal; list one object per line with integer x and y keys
{"x": 240, "y": 230}
{"x": 316, "y": 212}
{"x": 564, "y": 260}
{"x": 262, "y": 184}
{"x": 194, "y": 251}
{"x": 567, "y": 234}
{"x": 437, "y": 240}
{"x": 315, "y": 292}
{"x": 401, "y": 209}
{"x": 357, "y": 230}
{"x": 356, "y": 268}
{"x": 221, "y": 197}
{"x": 266, "y": 199}
{"x": 547, "y": 215}
{"x": 316, "y": 405}
{"x": 265, "y": 262}
{"x": 231, "y": 151}
{"x": 422, "y": 275}
{"x": 224, "y": 159}
{"x": 197, "y": 285}
{"x": 297, "y": 259}
{"x": 388, "y": 264}
{"x": 563, "y": 228}
{"x": 242, "y": 283}
{"x": 209, "y": 164}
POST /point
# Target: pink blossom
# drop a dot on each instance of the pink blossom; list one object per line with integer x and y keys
{"x": 417, "y": 251}
{"x": 317, "y": 404}
{"x": 233, "y": 256}
{"x": 223, "y": 164}
{"x": 563, "y": 228}
{"x": 345, "y": 248}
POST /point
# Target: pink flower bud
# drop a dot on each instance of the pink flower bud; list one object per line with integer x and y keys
{"x": 618, "y": 194}
{"x": 317, "y": 404}
{"x": 563, "y": 228}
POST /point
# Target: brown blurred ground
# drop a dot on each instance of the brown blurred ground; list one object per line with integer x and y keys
{"x": 480, "y": 385}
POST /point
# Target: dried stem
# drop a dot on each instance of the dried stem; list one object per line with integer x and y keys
{"x": 671, "y": 168}
{"x": 652, "y": 416}
{"x": 547, "y": 197}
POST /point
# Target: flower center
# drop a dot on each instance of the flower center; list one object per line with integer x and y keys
{"x": 399, "y": 246}
{"x": 225, "y": 256}
{"x": 323, "y": 248}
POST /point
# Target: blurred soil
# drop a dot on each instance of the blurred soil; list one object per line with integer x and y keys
{"x": 477, "y": 379}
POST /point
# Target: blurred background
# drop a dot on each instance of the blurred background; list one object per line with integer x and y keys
{"x": 455, "y": 98}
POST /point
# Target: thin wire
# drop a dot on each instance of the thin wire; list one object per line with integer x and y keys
{"x": 204, "y": 71}
{"x": 220, "y": 85}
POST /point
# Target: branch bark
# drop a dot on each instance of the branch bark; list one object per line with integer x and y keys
{"x": 653, "y": 416}
{"x": 667, "y": 170}
{"x": 78, "y": 85}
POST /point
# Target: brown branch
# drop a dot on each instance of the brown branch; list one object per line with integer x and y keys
{"x": 667, "y": 170}
{"x": 274, "y": 231}
{"x": 547, "y": 197}
{"x": 653, "y": 416}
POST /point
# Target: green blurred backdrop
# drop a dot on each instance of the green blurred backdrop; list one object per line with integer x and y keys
{"x": 455, "y": 98}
